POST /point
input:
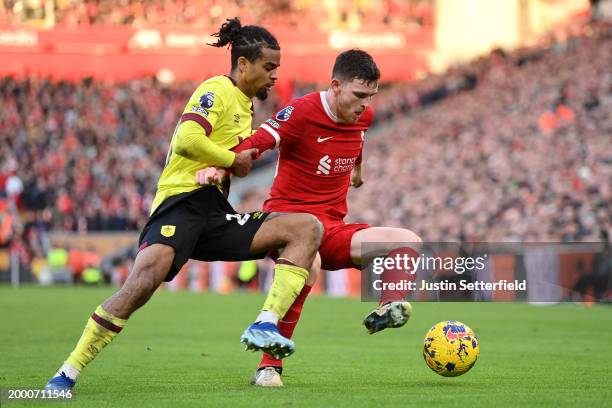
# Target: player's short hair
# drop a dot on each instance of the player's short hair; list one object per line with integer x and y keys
{"x": 353, "y": 64}
{"x": 245, "y": 41}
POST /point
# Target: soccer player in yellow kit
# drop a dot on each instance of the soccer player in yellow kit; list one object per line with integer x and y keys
{"x": 191, "y": 221}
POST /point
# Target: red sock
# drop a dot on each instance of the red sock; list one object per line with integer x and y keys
{"x": 398, "y": 275}
{"x": 286, "y": 325}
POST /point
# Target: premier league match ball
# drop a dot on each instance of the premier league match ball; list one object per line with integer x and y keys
{"x": 450, "y": 348}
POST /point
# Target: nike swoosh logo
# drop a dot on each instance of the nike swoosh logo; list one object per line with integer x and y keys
{"x": 322, "y": 139}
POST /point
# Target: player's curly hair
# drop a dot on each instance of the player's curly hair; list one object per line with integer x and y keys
{"x": 245, "y": 41}
{"x": 355, "y": 64}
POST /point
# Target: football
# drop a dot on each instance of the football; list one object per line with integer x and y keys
{"x": 450, "y": 348}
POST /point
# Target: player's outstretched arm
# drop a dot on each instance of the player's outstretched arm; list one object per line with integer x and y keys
{"x": 260, "y": 140}
{"x": 248, "y": 150}
{"x": 241, "y": 167}
{"x": 191, "y": 142}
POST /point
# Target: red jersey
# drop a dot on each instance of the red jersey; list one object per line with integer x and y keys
{"x": 317, "y": 156}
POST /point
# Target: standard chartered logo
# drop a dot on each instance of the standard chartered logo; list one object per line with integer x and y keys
{"x": 338, "y": 165}
{"x": 324, "y": 165}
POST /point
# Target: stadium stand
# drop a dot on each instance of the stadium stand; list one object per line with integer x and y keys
{"x": 209, "y": 14}
{"x": 496, "y": 149}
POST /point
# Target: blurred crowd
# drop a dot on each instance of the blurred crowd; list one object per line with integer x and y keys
{"x": 210, "y": 14}
{"x": 511, "y": 146}
{"x": 87, "y": 155}
{"x": 526, "y": 155}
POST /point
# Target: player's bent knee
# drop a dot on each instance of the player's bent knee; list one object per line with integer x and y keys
{"x": 415, "y": 241}
{"x": 294, "y": 228}
{"x": 408, "y": 236}
{"x": 415, "y": 238}
{"x": 314, "y": 228}
{"x": 305, "y": 227}
{"x": 311, "y": 233}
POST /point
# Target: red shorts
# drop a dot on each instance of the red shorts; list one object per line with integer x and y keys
{"x": 335, "y": 249}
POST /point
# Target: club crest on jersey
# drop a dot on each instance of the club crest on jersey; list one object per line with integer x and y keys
{"x": 324, "y": 165}
{"x": 285, "y": 114}
{"x": 207, "y": 100}
{"x": 167, "y": 230}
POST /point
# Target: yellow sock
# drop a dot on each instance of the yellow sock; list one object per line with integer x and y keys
{"x": 286, "y": 286}
{"x": 101, "y": 329}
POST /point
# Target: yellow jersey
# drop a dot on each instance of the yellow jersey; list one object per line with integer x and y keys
{"x": 217, "y": 116}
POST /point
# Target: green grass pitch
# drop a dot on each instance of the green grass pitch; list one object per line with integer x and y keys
{"x": 182, "y": 349}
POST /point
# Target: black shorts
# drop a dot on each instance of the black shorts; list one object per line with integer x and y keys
{"x": 202, "y": 225}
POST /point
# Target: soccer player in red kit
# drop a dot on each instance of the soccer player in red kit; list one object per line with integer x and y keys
{"x": 320, "y": 137}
